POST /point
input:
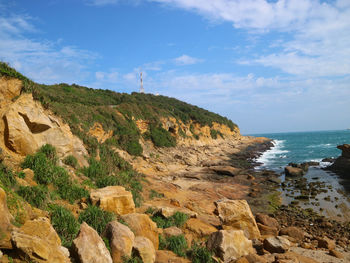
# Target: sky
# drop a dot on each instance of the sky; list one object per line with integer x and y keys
{"x": 269, "y": 66}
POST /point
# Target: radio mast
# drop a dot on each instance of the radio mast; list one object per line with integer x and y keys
{"x": 142, "y": 90}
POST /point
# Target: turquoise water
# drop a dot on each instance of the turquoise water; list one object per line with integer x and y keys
{"x": 301, "y": 147}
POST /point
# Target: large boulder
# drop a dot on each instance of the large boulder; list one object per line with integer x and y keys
{"x": 294, "y": 232}
{"x": 114, "y": 199}
{"x": 28, "y": 126}
{"x": 168, "y": 211}
{"x": 342, "y": 163}
{"x": 142, "y": 225}
{"x": 5, "y": 222}
{"x": 145, "y": 249}
{"x": 38, "y": 241}
{"x": 293, "y": 171}
{"x": 236, "y": 214}
{"x": 89, "y": 247}
{"x": 9, "y": 89}
{"x": 121, "y": 240}
{"x": 229, "y": 245}
{"x": 165, "y": 256}
{"x": 276, "y": 244}
{"x": 198, "y": 228}
{"x": 267, "y": 220}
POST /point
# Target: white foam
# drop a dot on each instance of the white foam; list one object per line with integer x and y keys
{"x": 273, "y": 153}
{"x": 322, "y": 145}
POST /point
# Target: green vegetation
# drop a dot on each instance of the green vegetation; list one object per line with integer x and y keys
{"x": 178, "y": 219}
{"x": 177, "y": 244}
{"x": 214, "y": 134}
{"x": 133, "y": 259}
{"x": 114, "y": 170}
{"x": 71, "y": 161}
{"x": 154, "y": 194}
{"x": 200, "y": 254}
{"x": 7, "y": 178}
{"x": 46, "y": 171}
{"x": 161, "y": 137}
{"x": 96, "y": 218}
{"x": 35, "y": 195}
{"x": 66, "y": 226}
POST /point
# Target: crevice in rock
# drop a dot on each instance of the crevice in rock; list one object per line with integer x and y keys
{"x": 7, "y": 135}
{"x": 33, "y": 126}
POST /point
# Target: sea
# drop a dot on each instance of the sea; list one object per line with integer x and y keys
{"x": 299, "y": 147}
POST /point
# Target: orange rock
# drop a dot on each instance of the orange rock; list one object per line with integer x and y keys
{"x": 142, "y": 225}
{"x": 5, "y": 222}
{"x": 114, "y": 199}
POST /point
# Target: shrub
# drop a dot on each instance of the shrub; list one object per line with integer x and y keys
{"x": 35, "y": 195}
{"x": 178, "y": 219}
{"x": 133, "y": 259}
{"x": 155, "y": 194}
{"x": 200, "y": 254}
{"x": 96, "y": 218}
{"x": 41, "y": 167}
{"x": 7, "y": 178}
{"x": 71, "y": 161}
{"x": 161, "y": 137}
{"x": 214, "y": 134}
{"x": 177, "y": 244}
{"x": 65, "y": 224}
{"x": 50, "y": 152}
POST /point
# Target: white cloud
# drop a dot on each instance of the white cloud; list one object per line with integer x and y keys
{"x": 186, "y": 60}
{"x": 43, "y": 61}
{"x": 101, "y": 2}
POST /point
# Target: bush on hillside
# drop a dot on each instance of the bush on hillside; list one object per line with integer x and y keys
{"x": 35, "y": 195}
{"x": 178, "y": 219}
{"x": 71, "y": 161}
{"x": 161, "y": 137}
{"x": 96, "y": 218}
{"x": 65, "y": 224}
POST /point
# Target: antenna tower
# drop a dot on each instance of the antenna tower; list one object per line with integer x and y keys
{"x": 142, "y": 90}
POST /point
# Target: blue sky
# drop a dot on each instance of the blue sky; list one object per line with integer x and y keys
{"x": 270, "y": 66}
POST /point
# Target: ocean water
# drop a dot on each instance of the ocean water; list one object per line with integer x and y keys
{"x": 301, "y": 147}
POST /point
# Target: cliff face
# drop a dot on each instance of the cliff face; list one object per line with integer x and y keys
{"x": 25, "y": 126}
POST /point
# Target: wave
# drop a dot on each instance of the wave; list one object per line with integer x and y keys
{"x": 322, "y": 145}
{"x": 274, "y": 153}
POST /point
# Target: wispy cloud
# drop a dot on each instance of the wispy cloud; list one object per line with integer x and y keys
{"x": 43, "y": 61}
{"x": 187, "y": 60}
{"x": 101, "y": 2}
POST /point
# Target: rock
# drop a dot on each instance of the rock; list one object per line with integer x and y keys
{"x": 267, "y": 230}
{"x": 113, "y": 199}
{"x": 145, "y": 249}
{"x": 267, "y": 220}
{"x": 1, "y": 254}
{"x": 121, "y": 240}
{"x": 28, "y": 127}
{"x": 293, "y": 232}
{"x": 229, "y": 244}
{"x": 242, "y": 260}
{"x": 142, "y": 225}
{"x": 342, "y": 163}
{"x": 5, "y": 222}
{"x": 9, "y": 89}
{"x": 199, "y": 228}
{"x": 89, "y": 246}
{"x": 345, "y": 148}
{"x": 276, "y": 244}
{"x": 172, "y": 231}
{"x": 225, "y": 170}
{"x": 325, "y": 242}
{"x": 293, "y": 171}
{"x": 236, "y": 214}
{"x": 336, "y": 253}
{"x": 38, "y": 241}
{"x": 167, "y": 211}
{"x": 292, "y": 257}
{"x": 254, "y": 258}
{"x": 328, "y": 160}
{"x": 164, "y": 256}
